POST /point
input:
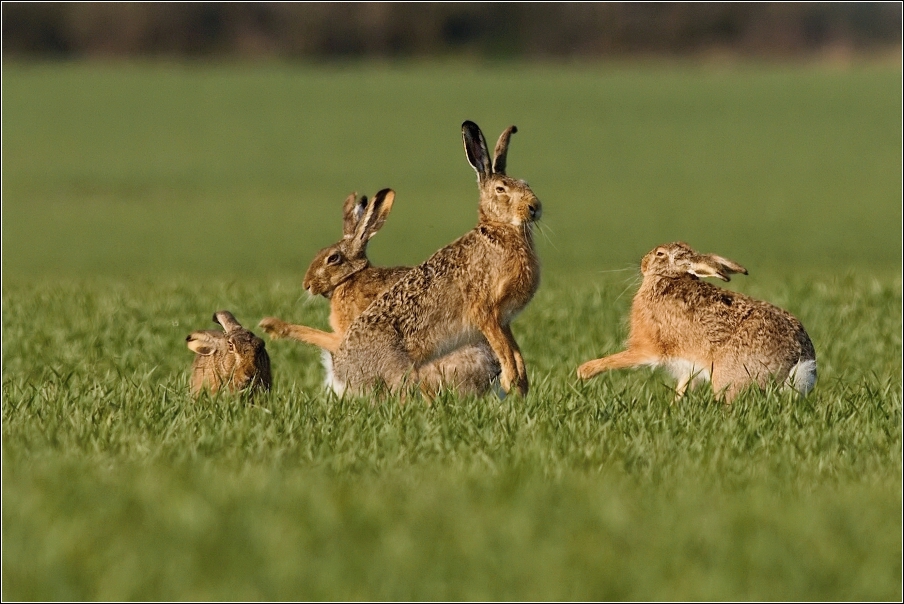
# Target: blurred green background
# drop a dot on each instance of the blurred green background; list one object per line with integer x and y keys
{"x": 160, "y": 167}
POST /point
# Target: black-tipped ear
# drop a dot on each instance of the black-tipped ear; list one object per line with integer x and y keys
{"x": 501, "y": 152}
{"x": 375, "y": 215}
{"x": 476, "y": 150}
{"x": 383, "y": 199}
{"x": 380, "y": 206}
{"x": 710, "y": 265}
{"x": 730, "y": 266}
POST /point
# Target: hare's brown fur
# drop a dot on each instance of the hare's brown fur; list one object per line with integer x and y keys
{"x": 468, "y": 290}
{"x": 343, "y": 273}
{"x": 702, "y": 332}
{"x": 234, "y": 358}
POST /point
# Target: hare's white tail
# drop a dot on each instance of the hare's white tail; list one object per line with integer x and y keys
{"x": 802, "y": 376}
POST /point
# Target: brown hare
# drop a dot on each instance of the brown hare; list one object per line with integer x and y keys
{"x": 342, "y": 273}
{"x": 235, "y": 358}
{"x": 467, "y": 291}
{"x": 700, "y": 332}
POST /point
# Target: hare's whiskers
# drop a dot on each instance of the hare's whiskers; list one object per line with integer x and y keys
{"x": 543, "y": 228}
{"x": 306, "y": 300}
{"x": 633, "y": 281}
{"x": 617, "y": 270}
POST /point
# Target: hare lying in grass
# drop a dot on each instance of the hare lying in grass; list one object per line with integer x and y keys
{"x": 235, "y": 358}
{"x": 467, "y": 291}
{"x": 701, "y": 332}
{"x": 342, "y": 272}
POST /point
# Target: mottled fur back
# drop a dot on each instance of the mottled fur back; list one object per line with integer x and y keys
{"x": 343, "y": 273}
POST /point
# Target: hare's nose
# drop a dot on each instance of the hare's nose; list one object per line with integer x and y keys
{"x": 535, "y": 211}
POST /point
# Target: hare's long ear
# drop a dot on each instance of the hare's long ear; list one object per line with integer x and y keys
{"x": 226, "y": 320}
{"x": 499, "y": 155}
{"x": 374, "y": 217}
{"x": 205, "y": 342}
{"x": 352, "y": 210}
{"x": 729, "y": 266}
{"x": 476, "y": 150}
{"x": 710, "y": 265}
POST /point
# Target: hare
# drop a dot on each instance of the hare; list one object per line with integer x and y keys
{"x": 234, "y": 357}
{"x": 469, "y": 290}
{"x": 342, "y": 273}
{"x": 701, "y": 332}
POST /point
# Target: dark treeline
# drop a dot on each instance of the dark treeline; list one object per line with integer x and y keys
{"x": 419, "y": 29}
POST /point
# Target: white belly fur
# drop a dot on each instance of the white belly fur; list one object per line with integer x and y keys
{"x": 684, "y": 370}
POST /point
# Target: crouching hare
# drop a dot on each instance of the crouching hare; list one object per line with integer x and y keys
{"x": 234, "y": 358}
{"x": 343, "y": 273}
{"x": 700, "y": 332}
{"x": 467, "y": 292}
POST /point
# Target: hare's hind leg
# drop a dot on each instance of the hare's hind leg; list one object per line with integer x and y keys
{"x": 620, "y": 360}
{"x": 735, "y": 373}
{"x": 373, "y": 359}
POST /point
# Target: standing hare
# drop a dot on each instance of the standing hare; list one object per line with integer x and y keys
{"x": 342, "y": 272}
{"x": 467, "y": 291}
{"x": 234, "y": 357}
{"x": 701, "y": 332}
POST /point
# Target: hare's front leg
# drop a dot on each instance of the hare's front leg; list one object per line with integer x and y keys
{"x": 276, "y": 328}
{"x": 506, "y": 350}
{"x": 273, "y": 327}
{"x": 520, "y": 368}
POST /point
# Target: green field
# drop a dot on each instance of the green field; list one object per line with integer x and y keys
{"x": 139, "y": 198}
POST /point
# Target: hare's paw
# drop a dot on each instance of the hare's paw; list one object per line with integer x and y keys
{"x": 587, "y": 370}
{"x": 521, "y": 385}
{"x": 521, "y": 382}
{"x": 509, "y": 380}
{"x": 506, "y": 378}
{"x": 274, "y": 327}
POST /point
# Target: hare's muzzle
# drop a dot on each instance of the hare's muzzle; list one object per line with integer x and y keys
{"x": 313, "y": 289}
{"x": 535, "y": 210}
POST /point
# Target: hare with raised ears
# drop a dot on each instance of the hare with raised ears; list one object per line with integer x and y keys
{"x": 467, "y": 291}
{"x": 701, "y": 332}
{"x": 343, "y": 274}
{"x": 234, "y": 358}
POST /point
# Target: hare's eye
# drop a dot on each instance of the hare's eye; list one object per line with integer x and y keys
{"x": 660, "y": 253}
{"x": 500, "y": 189}
{"x": 334, "y": 258}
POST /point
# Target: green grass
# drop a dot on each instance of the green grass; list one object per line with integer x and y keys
{"x": 138, "y": 199}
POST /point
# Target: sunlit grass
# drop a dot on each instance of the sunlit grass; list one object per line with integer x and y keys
{"x": 117, "y": 484}
{"x": 138, "y": 199}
